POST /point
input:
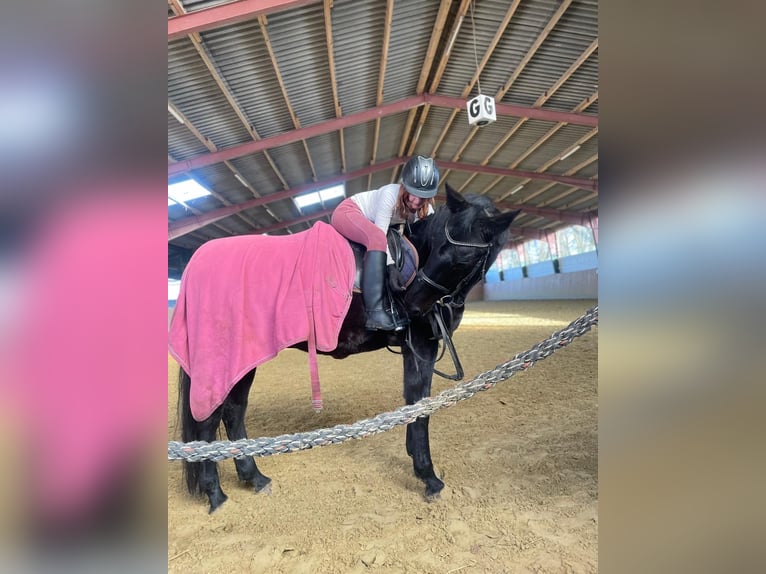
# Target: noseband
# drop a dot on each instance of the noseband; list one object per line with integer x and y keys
{"x": 448, "y": 295}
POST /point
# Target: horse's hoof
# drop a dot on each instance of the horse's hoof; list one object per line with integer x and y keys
{"x": 434, "y": 489}
{"x": 266, "y": 490}
{"x": 433, "y": 497}
{"x": 216, "y": 502}
{"x": 262, "y": 485}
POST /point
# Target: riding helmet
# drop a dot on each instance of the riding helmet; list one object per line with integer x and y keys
{"x": 420, "y": 177}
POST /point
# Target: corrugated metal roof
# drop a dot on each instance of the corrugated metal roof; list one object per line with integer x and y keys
{"x": 246, "y": 82}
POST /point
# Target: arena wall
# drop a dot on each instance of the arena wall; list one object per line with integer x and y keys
{"x": 573, "y": 277}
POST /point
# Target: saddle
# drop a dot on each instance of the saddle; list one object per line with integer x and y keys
{"x": 404, "y": 254}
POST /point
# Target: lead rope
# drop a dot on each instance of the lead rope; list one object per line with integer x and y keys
{"x": 427, "y": 406}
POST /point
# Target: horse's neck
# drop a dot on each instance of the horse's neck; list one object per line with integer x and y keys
{"x": 420, "y": 232}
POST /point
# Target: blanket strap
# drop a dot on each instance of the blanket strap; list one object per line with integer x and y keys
{"x": 316, "y": 393}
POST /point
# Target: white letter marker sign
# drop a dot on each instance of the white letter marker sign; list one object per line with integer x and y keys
{"x": 481, "y": 110}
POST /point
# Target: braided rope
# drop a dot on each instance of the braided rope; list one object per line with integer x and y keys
{"x": 267, "y": 446}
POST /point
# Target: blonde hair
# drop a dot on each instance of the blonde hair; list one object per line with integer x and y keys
{"x": 401, "y": 208}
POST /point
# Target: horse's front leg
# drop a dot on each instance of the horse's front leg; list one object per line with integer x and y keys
{"x": 418, "y": 370}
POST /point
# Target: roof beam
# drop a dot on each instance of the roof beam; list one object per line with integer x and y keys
{"x": 196, "y": 40}
{"x": 518, "y": 111}
{"x": 381, "y": 81}
{"x": 572, "y": 217}
{"x": 296, "y": 121}
{"x": 585, "y": 198}
{"x": 572, "y": 171}
{"x": 441, "y": 18}
{"x": 365, "y": 116}
{"x": 539, "y": 102}
{"x": 546, "y": 165}
{"x": 229, "y": 13}
{"x": 333, "y": 79}
{"x": 462, "y": 10}
{"x": 223, "y": 86}
{"x": 568, "y": 191}
{"x": 186, "y": 225}
{"x": 576, "y": 181}
{"x": 173, "y": 110}
{"x": 469, "y": 86}
{"x": 294, "y": 135}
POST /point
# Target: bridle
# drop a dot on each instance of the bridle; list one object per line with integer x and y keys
{"x": 448, "y": 297}
{"x": 446, "y": 303}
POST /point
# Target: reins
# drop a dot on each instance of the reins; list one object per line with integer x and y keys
{"x": 448, "y": 301}
{"x": 446, "y": 337}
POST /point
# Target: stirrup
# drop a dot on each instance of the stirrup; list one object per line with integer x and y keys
{"x": 400, "y": 320}
{"x": 400, "y": 323}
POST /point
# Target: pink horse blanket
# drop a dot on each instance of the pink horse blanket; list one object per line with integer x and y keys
{"x": 243, "y": 299}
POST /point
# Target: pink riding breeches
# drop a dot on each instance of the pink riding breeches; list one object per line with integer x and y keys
{"x": 349, "y": 220}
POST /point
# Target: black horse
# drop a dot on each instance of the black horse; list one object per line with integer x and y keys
{"x": 455, "y": 246}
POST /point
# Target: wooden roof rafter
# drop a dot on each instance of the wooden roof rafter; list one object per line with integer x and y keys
{"x": 226, "y": 14}
{"x": 584, "y": 104}
{"x": 516, "y": 73}
{"x": 207, "y": 59}
{"x": 196, "y": 40}
{"x": 428, "y": 61}
{"x": 467, "y": 90}
{"x": 562, "y": 195}
{"x": 551, "y": 132}
{"x": 538, "y": 103}
{"x": 441, "y": 19}
{"x": 369, "y": 114}
{"x": 571, "y": 171}
{"x": 571, "y": 190}
{"x": 381, "y": 81}
{"x": 328, "y": 5}
{"x": 582, "y": 199}
{"x": 263, "y": 23}
{"x": 211, "y": 147}
{"x": 181, "y": 227}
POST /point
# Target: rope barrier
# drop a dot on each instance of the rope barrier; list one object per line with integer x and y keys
{"x": 267, "y": 446}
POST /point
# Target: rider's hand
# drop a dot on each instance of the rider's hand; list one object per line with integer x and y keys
{"x": 395, "y": 281}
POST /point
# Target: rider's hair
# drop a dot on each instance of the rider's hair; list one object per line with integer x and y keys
{"x": 401, "y": 207}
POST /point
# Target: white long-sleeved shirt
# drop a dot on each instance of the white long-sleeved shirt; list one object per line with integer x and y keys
{"x": 378, "y": 205}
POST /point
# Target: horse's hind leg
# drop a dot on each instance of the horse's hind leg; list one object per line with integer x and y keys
{"x": 206, "y": 472}
{"x": 201, "y": 477}
{"x": 417, "y": 384}
{"x": 234, "y": 408}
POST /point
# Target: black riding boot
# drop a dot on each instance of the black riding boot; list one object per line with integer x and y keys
{"x": 373, "y": 281}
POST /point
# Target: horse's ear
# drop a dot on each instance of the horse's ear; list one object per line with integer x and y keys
{"x": 501, "y": 222}
{"x": 455, "y": 201}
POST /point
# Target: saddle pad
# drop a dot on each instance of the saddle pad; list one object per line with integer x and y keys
{"x": 243, "y": 299}
{"x": 409, "y": 265}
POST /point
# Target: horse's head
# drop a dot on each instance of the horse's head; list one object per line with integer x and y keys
{"x": 456, "y": 245}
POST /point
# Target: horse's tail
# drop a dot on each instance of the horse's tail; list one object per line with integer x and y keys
{"x": 190, "y": 470}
